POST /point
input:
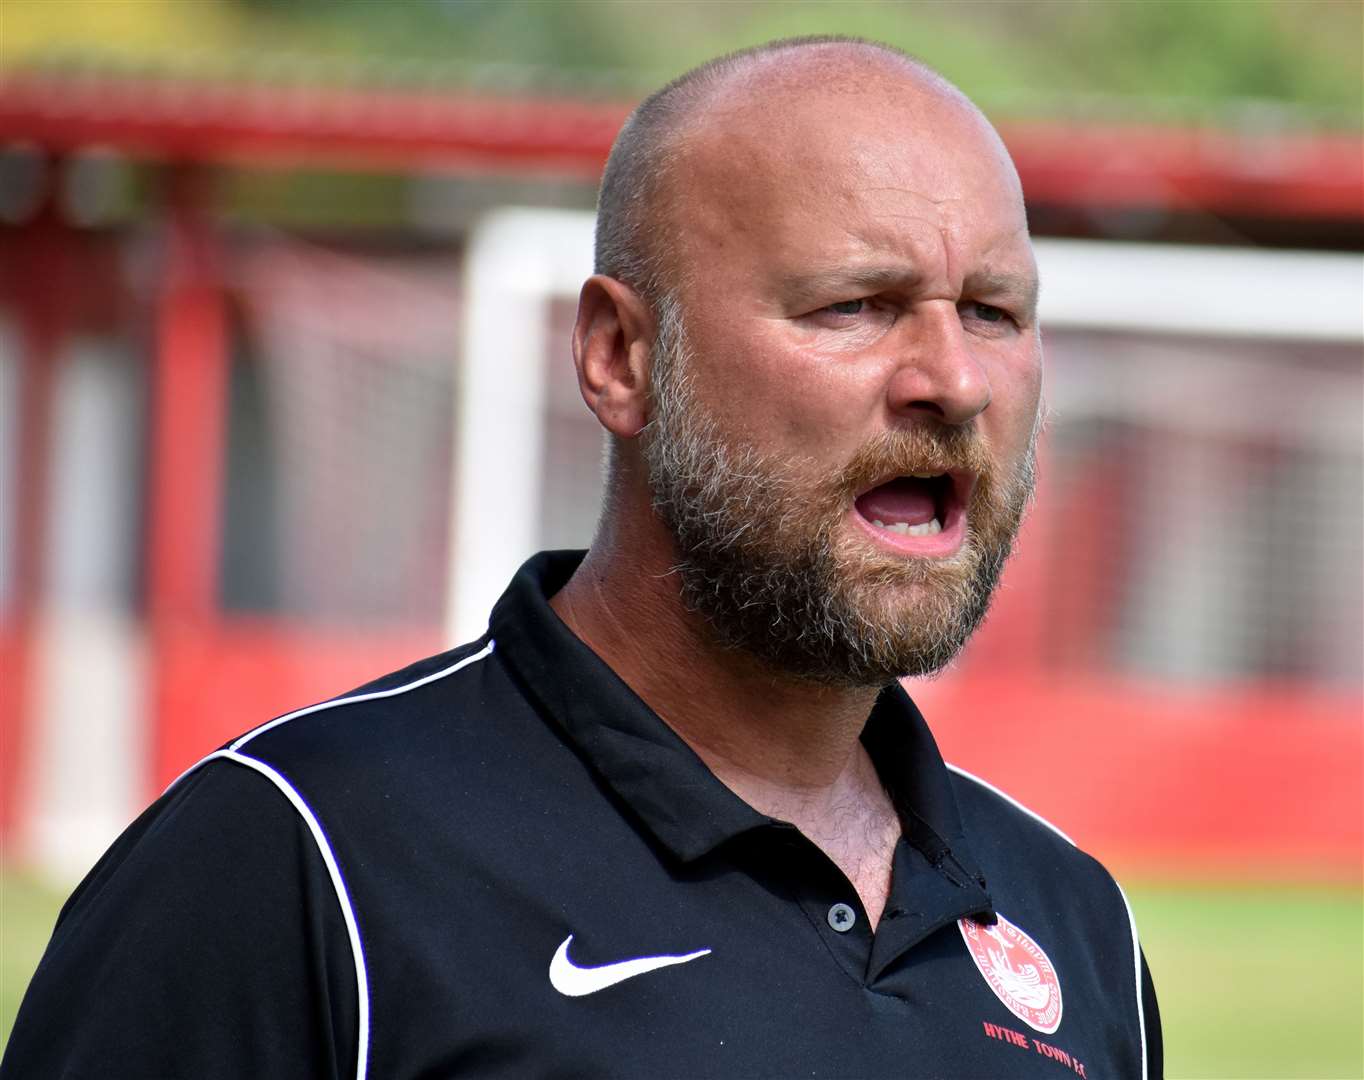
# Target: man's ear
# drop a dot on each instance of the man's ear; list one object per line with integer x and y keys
{"x": 612, "y": 339}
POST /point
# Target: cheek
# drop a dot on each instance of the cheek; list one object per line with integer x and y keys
{"x": 776, "y": 392}
{"x": 1016, "y": 391}
{"x": 819, "y": 406}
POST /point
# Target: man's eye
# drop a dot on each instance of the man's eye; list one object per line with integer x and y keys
{"x": 847, "y": 307}
{"x": 987, "y": 312}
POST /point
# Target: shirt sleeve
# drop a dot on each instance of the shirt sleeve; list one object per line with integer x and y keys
{"x": 207, "y": 944}
{"x": 1155, "y": 1043}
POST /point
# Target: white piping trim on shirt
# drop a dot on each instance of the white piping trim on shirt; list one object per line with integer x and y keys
{"x": 1136, "y": 964}
{"x": 342, "y": 896}
{"x": 372, "y": 696}
{"x": 1011, "y": 801}
{"x": 231, "y": 753}
{"x": 1131, "y": 921}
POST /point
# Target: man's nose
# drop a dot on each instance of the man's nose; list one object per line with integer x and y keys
{"x": 936, "y": 370}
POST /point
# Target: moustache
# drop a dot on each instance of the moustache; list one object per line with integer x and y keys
{"x": 931, "y": 448}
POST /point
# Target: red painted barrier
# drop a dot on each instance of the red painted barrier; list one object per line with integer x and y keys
{"x": 14, "y": 668}
{"x": 1262, "y": 781}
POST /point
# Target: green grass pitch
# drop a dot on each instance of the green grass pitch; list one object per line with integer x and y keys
{"x": 1256, "y": 981}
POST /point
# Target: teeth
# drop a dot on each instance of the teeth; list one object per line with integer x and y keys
{"x": 928, "y": 528}
{"x": 926, "y": 475}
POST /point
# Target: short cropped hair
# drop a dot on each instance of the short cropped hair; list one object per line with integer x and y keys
{"x": 628, "y": 240}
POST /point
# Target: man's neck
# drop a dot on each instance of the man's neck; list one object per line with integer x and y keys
{"x": 787, "y": 747}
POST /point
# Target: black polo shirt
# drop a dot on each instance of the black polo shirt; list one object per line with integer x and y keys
{"x": 501, "y": 862}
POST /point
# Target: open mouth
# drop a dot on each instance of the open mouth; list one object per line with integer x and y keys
{"x": 917, "y": 506}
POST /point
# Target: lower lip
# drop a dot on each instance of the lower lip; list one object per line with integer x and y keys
{"x": 939, "y": 546}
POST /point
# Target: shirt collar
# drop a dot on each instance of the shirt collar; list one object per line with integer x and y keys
{"x": 656, "y": 774}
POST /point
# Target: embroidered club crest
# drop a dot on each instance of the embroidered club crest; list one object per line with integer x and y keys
{"x": 1017, "y": 970}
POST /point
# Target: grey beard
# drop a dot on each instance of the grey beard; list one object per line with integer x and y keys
{"x": 758, "y": 555}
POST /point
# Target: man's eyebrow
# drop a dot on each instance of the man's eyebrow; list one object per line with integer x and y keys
{"x": 844, "y": 279}
{"x": 1018, "y": 288}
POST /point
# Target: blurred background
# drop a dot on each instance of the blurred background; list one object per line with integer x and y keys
{"x": 285, "y": 396}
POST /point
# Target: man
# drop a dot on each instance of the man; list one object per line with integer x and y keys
{"x": 673, "y": 815}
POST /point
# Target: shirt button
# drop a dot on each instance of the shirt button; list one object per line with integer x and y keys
{"x": 842, "y": 917}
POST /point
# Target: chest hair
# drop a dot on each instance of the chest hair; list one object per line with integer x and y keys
{"x": 859, "y": 836}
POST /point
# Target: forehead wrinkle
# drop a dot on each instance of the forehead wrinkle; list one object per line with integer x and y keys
{"x": 938, "y": 205}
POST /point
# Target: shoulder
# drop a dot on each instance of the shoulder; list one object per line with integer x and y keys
{"x": 1021, "y": 851}
{"x": 431, "y": 688}
{"x": 339, "y": 768}
{"x": 213, "y": 820}
{"x": 994, "y": 819}
{"x": 415, "y": 761}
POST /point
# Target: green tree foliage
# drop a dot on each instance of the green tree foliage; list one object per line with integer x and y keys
{"x": 1163, "y": 59}
{"x": 1143, "y": 56}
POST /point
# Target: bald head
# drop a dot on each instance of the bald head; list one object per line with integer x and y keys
{"x": 722, "y": 98}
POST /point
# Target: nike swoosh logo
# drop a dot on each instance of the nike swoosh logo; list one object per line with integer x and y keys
{"x": 574, "y": 981}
